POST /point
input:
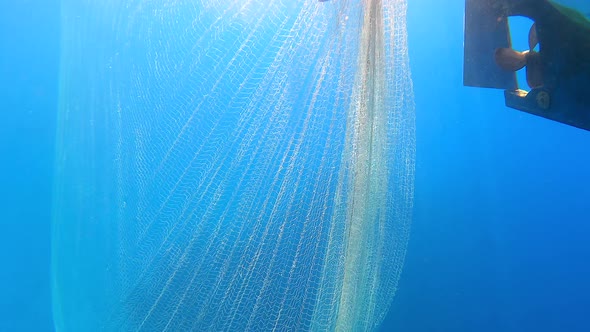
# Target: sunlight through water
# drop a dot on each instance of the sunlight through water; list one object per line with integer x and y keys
{"x": 231, "y": 165}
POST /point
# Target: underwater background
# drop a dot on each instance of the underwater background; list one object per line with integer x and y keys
{"x": 501, "y": 210}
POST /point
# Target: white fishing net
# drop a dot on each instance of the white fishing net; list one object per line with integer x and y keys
{"x": 231, "y": 165}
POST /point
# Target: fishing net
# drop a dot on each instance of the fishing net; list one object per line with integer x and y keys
{"x": 231, "y": 165}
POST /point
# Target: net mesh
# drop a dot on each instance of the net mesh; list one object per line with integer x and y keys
{"x": 231, "y": 165}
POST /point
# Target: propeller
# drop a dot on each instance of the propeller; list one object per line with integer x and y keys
{"x": 512, "y": 60}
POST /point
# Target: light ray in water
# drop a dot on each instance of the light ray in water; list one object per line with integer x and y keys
{"x": 231, "y": 165}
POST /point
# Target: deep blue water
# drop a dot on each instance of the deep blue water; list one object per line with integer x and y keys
{"x": 499, "y": 238}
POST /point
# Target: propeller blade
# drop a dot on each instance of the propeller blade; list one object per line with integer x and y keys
{"x": 533, "y": 40}
{"x": 509, "y": 59}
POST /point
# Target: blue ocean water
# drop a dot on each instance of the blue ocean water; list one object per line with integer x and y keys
{"x": 29, "y": 47}
{"x": 499, "y": 238}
